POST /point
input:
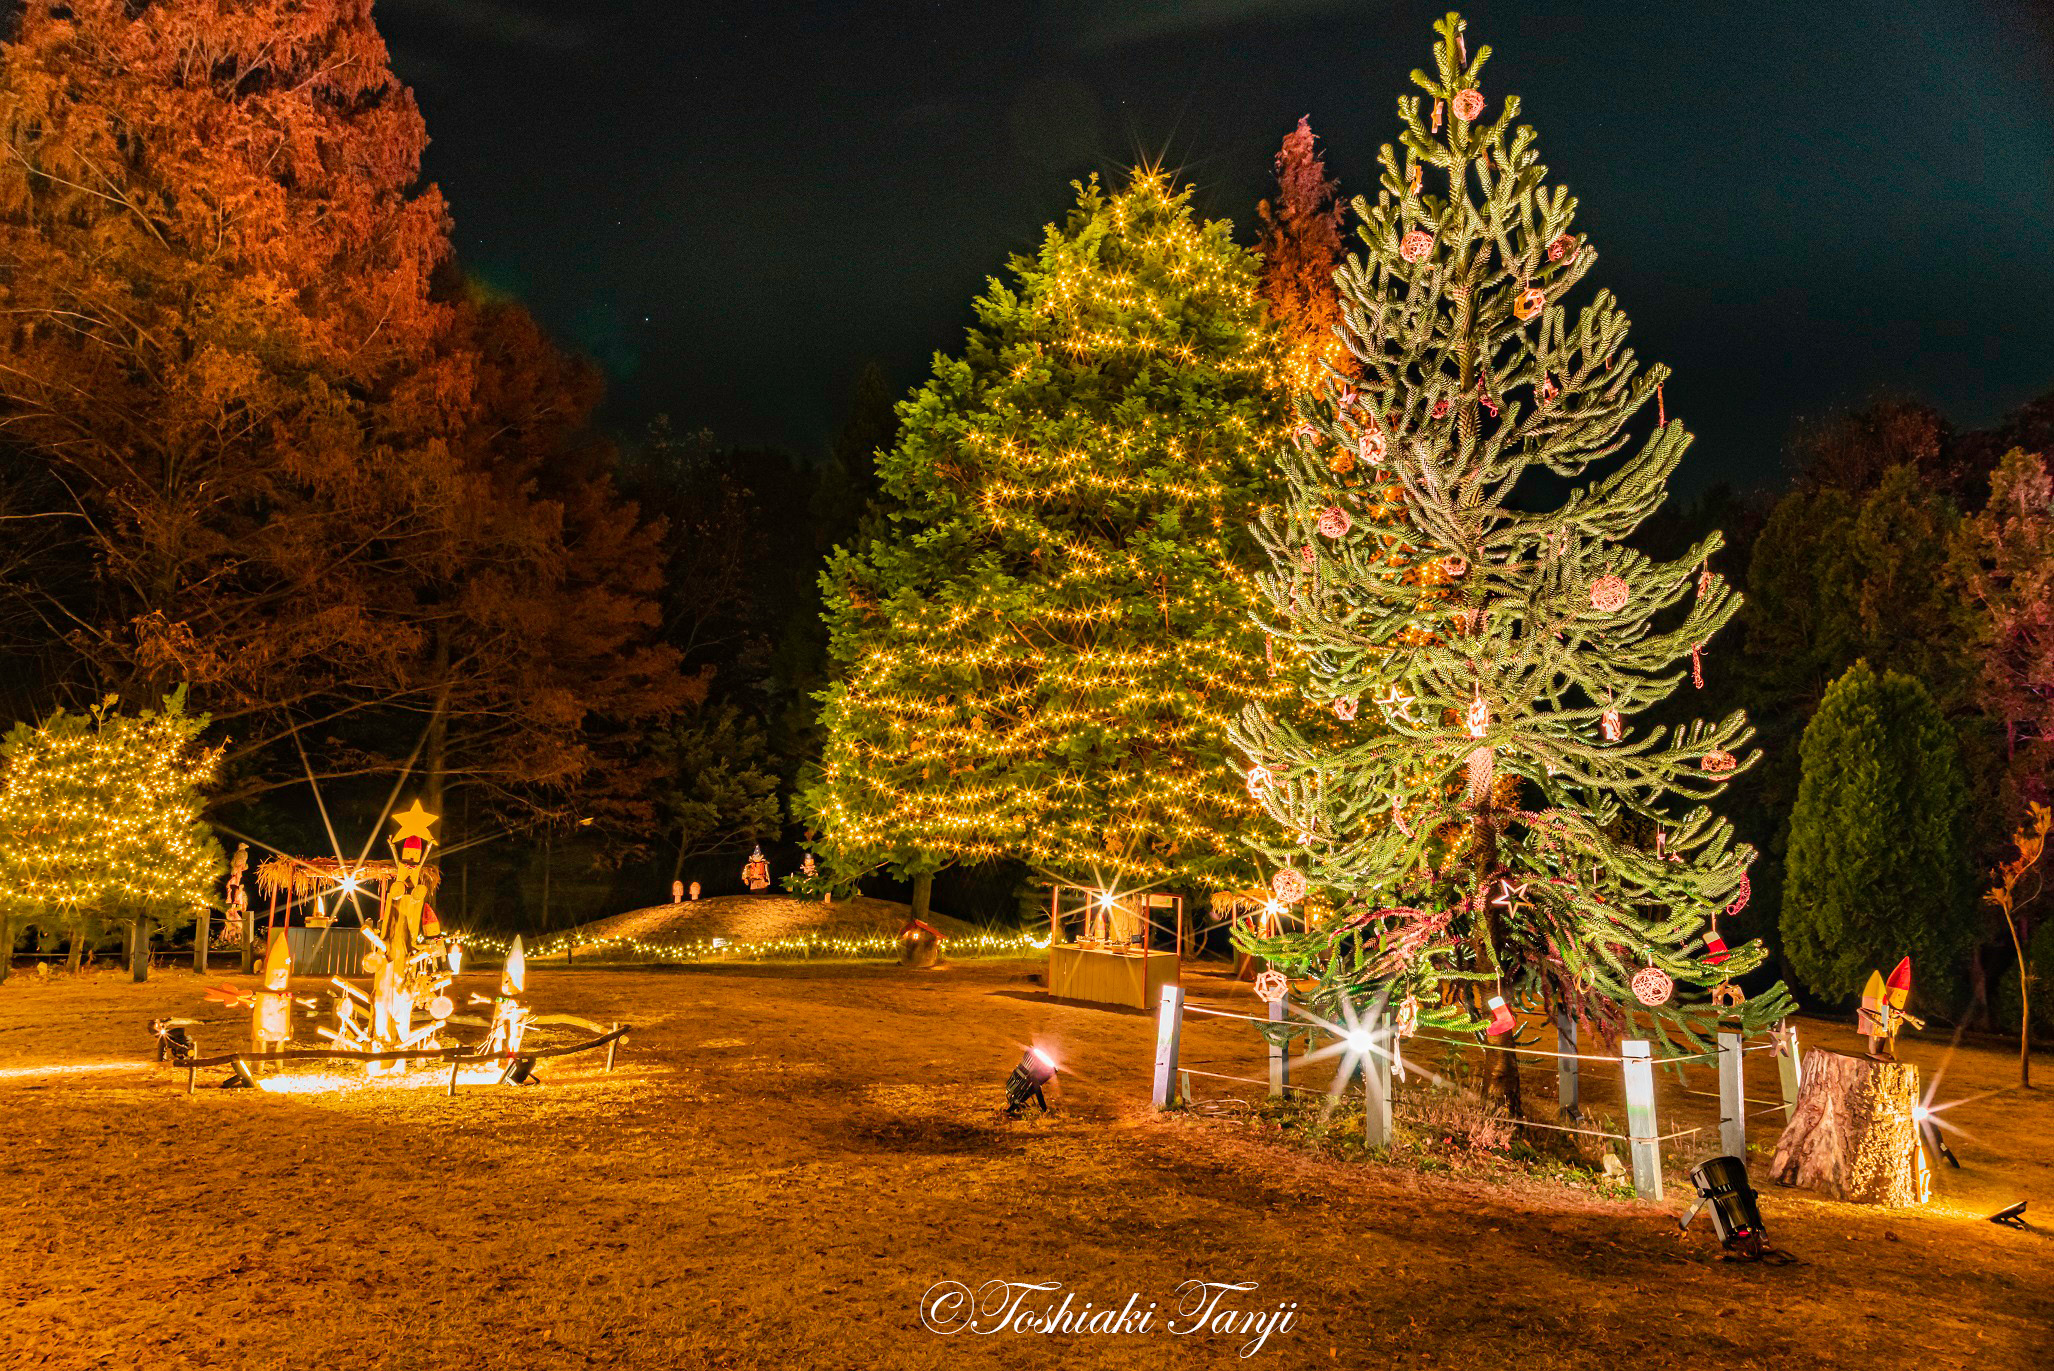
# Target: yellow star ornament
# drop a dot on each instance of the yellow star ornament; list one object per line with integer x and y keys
{"x": 413, "y": 822}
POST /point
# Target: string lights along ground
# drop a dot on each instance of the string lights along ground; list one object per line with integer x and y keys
{"x": 1505, "y": 832}
{"x": 767, "y": 949}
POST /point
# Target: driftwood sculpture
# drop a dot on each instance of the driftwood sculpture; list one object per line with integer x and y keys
{"x": 1854, "y": 1133}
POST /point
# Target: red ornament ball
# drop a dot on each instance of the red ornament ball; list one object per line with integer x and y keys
{"x": 1561, "y": 247}
{"x": 1652, "y": 986}
{"x": 1455, "y": 565}
{"x": 1372, "y": 445}
{"x": 1288, "y": 885}
{"x": 1718, "y": 762}
{"x": 1467, "y": 104}
{"x": 1608, "y": 594}
{"x": 1334, "y": 521}
{"x": 1305, "y": 555}
{"x": 1258, "y": 782}
{"x": 1414, "y": 246}
{"x": 1345, "y": 707}
{"x": 1440, "y": 409}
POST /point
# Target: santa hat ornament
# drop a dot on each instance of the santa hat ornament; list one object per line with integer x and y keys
{"x": 1502, "y": 1021}
{"x": 1899, "y": 984}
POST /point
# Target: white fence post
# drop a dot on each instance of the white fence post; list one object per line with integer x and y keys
{"x": 1376, "y": 1082}
{"x": 1169, "y": 1029}
{"x": 1279, "y": 1056}
{"x": 1788, "y": 1068}
{"x": 1567, "y": 1098}
{"x": 1640, "y": 1118}
{"x": 1732, "y": 1096}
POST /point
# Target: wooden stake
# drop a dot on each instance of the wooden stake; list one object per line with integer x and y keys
{"x": 1279, "y": 1056}
{"x": 1788, "y": 1069}
{"x": 1640, "y": 1118}
{"x": 1732, "y": 1097}
{"x": 1568, "y": 1095}
{"x": 1169, "y": 1029}
{"x": 1376, "y": 1086}
{"x": 612, "y": 1045}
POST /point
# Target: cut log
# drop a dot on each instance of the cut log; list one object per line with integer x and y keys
{"x": 1853, "y": 1135}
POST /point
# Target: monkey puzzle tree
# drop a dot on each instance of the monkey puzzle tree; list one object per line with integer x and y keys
{"x": 1041, "y": 641}
{"x": 1499, "y": 834}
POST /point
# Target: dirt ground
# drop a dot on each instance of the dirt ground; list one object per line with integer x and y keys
{"x": 788, "y": 1159}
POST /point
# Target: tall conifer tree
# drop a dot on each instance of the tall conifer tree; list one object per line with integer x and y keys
{"x": 1040, "y": 645}
{"x": 1301, "y": 247}
{"x": 1500, "y": 829}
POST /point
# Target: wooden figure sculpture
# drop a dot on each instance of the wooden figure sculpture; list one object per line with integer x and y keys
{"x": 509, "y": 1016}
{"x": 1882, "y": 1010}
{"x": 270, "y": 1005}
{"x": 407, "y": 946}
{"x": 756, "y": 871}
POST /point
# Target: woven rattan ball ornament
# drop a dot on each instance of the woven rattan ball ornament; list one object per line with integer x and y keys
{"x": 1608, "y": 594}
{"x": 1652, "y": 986}
{"x": 1288, "y": 885}
{"x": 1271, "y": 986}
{"x": 1718, "y": 762}
{"x": 1414, "y": 246}
{"x": 1334, "y": 521}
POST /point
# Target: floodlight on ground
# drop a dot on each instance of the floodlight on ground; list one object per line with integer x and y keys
{"x": 1736, "y": 1218}
{"x": 1035, "y": 1070}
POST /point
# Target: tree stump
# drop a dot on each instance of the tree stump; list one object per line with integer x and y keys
{"x": 1853, "y": 1135}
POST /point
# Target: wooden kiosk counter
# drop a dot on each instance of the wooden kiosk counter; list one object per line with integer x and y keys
{"x": 1110, "y": 959}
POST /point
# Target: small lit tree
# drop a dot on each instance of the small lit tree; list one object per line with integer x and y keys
{"x": 100, "y": 821}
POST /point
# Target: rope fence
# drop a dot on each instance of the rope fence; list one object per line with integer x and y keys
{"x": 1382, "y": 1058}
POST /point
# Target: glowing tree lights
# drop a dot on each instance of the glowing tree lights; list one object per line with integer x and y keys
{"x": 1041, "y": 642}
{"x": 100, "y": 820}
{"x": 1497, "y": 835}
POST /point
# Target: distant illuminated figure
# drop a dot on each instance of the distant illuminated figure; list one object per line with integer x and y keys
{"x": 756, "y": 871}
{"x": 1882, "y": 1010}
{"x": 695, "y": 890}
{"x": 509, "y": 1015}
{"x": 408, "y": 941}
{"x": 677, "y": 892}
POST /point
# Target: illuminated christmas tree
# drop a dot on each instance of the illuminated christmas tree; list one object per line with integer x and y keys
{"x": 1502, "y": 832}
{"x": 1041, "y": 642}
{"x": 100, "y": 820}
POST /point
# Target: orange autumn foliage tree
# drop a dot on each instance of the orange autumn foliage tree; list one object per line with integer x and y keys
{"x": 327, "y": 495}
{"x": 1301, "y": 248}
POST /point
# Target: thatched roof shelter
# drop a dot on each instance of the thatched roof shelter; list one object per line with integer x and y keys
{"x": 300, "y": 877}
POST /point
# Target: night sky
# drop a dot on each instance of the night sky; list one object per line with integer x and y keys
{"x": 732, "y": 207}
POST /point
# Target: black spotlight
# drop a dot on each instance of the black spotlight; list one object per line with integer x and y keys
{"x": 1034, "y": 1071}
{"x": 1736, "y": 1218}
{"x": 520, "y": 1071}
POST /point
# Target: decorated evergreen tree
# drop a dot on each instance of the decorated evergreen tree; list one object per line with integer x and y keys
{"x": 1878, "y": 863}
{"x": 1040, "y": 643}
{"x": 100, "y": 820}
{"x": 1500, "y": 835}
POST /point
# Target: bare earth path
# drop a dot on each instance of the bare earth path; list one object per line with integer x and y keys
{"x": 789, "y": 1156}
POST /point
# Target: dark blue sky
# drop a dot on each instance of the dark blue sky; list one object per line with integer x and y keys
{"x": 732, "y": 206}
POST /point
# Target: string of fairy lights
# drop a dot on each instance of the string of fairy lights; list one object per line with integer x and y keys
{"x": 1061, "y": 689}
{"x": 813, "y": 946}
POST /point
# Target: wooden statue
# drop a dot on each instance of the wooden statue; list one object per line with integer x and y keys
{"x": 1882, "y": 1010}
{"x": 407, "y": 948}
{"x": 756, "y": 871}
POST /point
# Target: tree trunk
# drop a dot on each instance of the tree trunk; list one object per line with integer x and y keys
{"x": 76, "y": 950}
{"x": 923, "y": 892}
{"x": 139, "y": 948}
{"x": 435, "y": 745}
{"x": 203, "y": 927}
{"x": 1853, "y": 1135}
{"x": 6, "y": 946}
